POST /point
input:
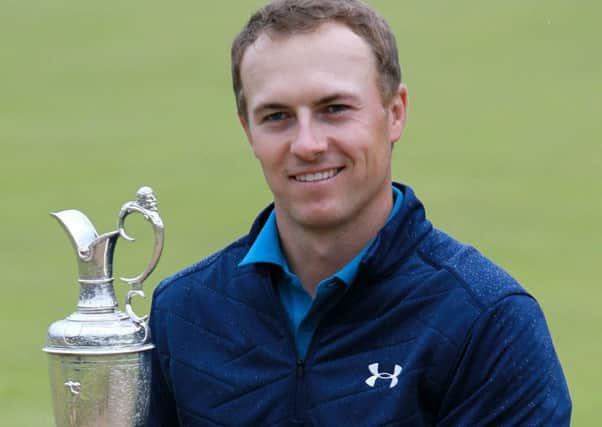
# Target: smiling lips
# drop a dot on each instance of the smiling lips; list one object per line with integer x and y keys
{"x": 317, "y": 176}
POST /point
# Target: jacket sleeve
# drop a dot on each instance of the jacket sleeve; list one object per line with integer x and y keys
{"x": 508, "y": 373}
{"x": 162, "y": 411}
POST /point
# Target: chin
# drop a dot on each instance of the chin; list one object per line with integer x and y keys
{"x": 319, "y": 219}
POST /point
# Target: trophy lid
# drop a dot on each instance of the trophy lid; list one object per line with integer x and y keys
{"x": 97, "y": 333}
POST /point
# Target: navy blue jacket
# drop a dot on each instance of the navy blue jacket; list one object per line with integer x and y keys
{"x": 430, "y": 333}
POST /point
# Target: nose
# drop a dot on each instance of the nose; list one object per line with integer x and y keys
{"x": 308, "y": 143}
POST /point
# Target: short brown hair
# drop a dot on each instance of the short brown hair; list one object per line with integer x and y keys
{"x": 291, "y": 16}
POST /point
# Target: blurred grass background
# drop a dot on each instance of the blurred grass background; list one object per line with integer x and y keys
{"x": 504, "y": 146}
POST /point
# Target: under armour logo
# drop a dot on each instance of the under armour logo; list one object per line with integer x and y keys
{"x": 383, "y": 375}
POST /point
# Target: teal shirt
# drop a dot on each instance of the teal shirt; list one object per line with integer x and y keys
{"x": 304, "y": 312}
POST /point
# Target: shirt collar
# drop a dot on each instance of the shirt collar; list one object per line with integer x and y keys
{"x": 266, "y": 247}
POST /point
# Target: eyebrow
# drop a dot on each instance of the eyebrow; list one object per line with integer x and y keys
{"x": 338, "y": 96}
{"x": 269, "y": 106}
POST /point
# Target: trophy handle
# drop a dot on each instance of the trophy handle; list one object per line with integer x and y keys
{"x": 145, "y": 204}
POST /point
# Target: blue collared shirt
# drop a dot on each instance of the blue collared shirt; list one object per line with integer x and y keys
{"x": 304, "y": 312}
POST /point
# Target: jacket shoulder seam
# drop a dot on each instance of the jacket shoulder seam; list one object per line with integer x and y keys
{"x": 442, "y": 266}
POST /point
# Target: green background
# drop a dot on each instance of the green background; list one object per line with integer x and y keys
{"x": 100, "y": 97}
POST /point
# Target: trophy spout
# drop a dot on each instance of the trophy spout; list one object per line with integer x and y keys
{"x": 94, "y": 253}
{"x": 94, "y": 256}
{"x": 78, "y": 227}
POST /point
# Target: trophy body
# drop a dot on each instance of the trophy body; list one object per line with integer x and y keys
{"x": 99, "y": 357}
{"x": 111, "y": 389}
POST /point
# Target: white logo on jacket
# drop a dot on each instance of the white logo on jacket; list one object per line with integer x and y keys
{"x": 376, "y": 375}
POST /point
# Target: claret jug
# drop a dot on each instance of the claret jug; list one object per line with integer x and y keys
{"x": 99, "y": 356}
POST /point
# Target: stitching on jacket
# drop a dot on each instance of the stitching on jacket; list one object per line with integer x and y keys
{"x": 262, "y": 314}
{"x": 193, "y": 414}
{"x": 381, "y": 314}
{"x": 252, "y": 349}
{"x": 249, "y": 391}
{"x": 360, "y": 353}
{"x": 438, "y": 266}
{"x": 401, "y": 422}
{"x": 246, "y": 350}
{"x": 201, "y": 371}
{"x": 446, "y": 338}
{"x": 203, "y": 329}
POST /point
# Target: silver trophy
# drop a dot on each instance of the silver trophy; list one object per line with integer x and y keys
{"x": 99, "y": 357}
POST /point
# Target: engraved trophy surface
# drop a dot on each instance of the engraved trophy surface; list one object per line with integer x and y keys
{"x": 99, "y": 357}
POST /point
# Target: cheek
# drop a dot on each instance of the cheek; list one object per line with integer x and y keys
{"x": 378, "y": 159}
{"x": 261, "y": 148}
{"x": 372, "y": 147}
{"x": 271, "y": 159}
{"x": 267, "y": 145}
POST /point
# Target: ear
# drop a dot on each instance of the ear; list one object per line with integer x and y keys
{"x": 397, "y": 109}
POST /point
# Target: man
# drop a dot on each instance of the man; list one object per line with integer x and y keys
{"x": 343, "y": 306}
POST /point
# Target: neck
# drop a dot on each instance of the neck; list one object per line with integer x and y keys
{"x": 315, "y": 253}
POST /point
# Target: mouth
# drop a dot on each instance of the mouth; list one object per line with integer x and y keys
{"x": 317, "y": 176}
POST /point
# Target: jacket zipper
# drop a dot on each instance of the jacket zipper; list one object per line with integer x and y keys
{"x": 300, "y": 399}
{"x": 300, "y": 368}
{"x": 299, "y": 404}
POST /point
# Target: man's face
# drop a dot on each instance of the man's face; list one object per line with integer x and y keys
{"x": 317, "y": 123}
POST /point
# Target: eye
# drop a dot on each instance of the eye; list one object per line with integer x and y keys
{"x": 336, "y": 108}
{"x": 275, "y": 117}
